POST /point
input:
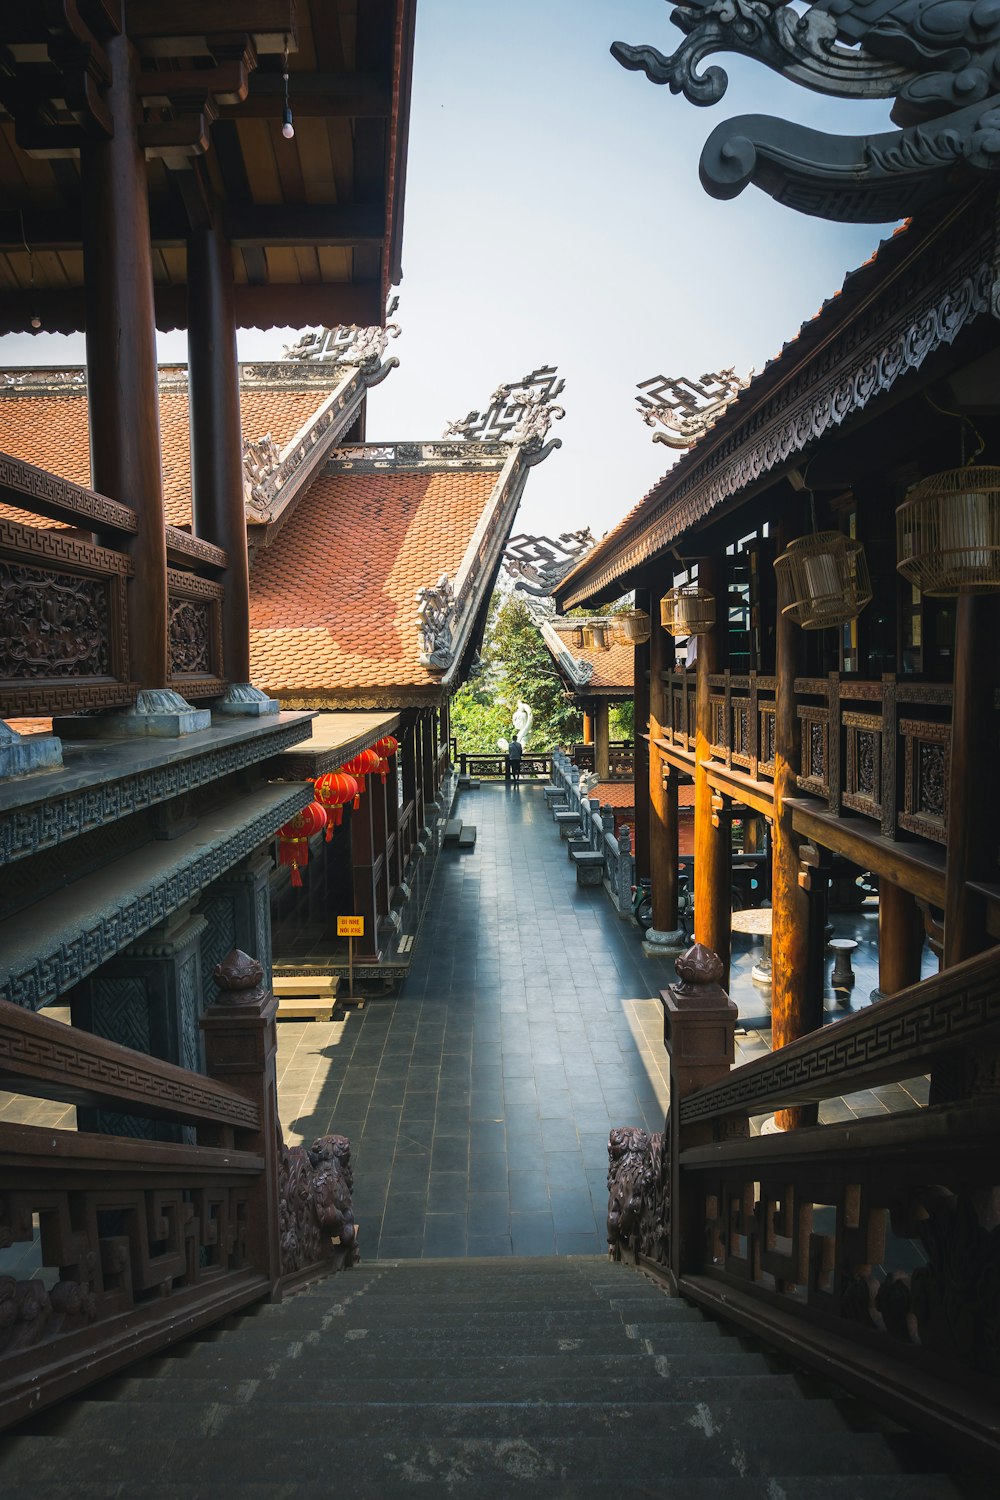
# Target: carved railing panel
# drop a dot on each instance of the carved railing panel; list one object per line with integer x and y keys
{"x": 494, "y": 767}
{"x": 927, "y": 765}
{"x": 863, "y": 772}
{"x": 791, "y": 1233}
{"x": 583, "y": 757}
{"x": 63, "y": 629}
{"x": 814, "y": 775}
{"x": 194, "y": 618}
{"x": 141, "y": 1241}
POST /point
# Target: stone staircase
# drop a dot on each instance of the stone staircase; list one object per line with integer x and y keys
{"x": 480, "y": 1378}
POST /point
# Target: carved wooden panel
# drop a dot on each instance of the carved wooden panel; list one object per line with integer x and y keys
{"x": 195, "y": 633}
{"x": 719, "y": 724}
{"x": 863, "y": 786}
{"x": 814, "y": 775}
{"x": 767, "y": 739}
{"x": 63, "y": 624}
{"x": 741, "y": 746}
{"x": 925, "y": 787}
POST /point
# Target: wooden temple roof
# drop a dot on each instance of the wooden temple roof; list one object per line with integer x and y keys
{"x": 333, "y": 599}
{"x": 592, "y": 673}
{"x": 913, "y": 296}
{"x": 314, "y": 222}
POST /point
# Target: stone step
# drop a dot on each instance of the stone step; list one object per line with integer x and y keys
{"x": 777, "y": 1487}
{"x": 413, "y": 1375}
{"x": 289, "y": 986}
{"x": 379, "y": 1450}
{"x": 452, "y": 829}
{"x": 441, "y": 1323}
{"x": 411, "y": 1311}
{"x": 467, "y": 838}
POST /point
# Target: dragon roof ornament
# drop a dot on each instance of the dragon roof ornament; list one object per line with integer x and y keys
{"x": 938, "y": 59}
{"x": 687, "y": 408}
{"x": 520, "y": 413}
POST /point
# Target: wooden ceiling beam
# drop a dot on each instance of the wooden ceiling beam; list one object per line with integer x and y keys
{"x": 334, "y": 95}
{"x": 185, "y": 28}
{"x": 277, "y": 306}
{"x": 295, "y": 224}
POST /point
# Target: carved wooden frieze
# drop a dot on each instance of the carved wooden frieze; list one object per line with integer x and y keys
{"x": 925, "y": 786}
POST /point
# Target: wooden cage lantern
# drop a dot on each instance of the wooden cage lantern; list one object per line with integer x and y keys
{"x": 333, "y": 792}
{"x": 294, "y": 836}
{"x": 570, "y": 631}
{"x": 385, "y": 748}
{"x": 687, "y": 610}
{"x": 597, "y": 635}
{"x": 630, "y": 628}
{"x": 948, "y": 533}
{"x": 823, "y": 580}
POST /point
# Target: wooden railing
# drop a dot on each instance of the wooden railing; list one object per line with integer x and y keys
{"x": 64, "y": 635}
{"x": 621, "y": 758}
{"x": 867, "y": 1249}
{"x": 142, "y": 1241}
{"x": 880, "y": 749}
{"x": 494, "y": 767}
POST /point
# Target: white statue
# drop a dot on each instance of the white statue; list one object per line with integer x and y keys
{"x": 523, "y": 720}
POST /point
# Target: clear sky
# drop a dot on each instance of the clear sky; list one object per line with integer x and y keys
{"x": 554, "y": 216}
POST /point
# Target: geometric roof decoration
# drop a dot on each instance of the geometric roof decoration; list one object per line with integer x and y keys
{"x": 940, "y": 62}
{"x": 519, "y": 412}
{"x": 687, "y": 408}
{"x": 538, "y": 562}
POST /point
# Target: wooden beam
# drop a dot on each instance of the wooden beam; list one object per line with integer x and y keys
{"x": 337, "y": 95}
{"x": 278, "y": 306}
{"x": 288, "y": 224}
{"x": 181, "y": 28}
{"x": 915, "y": 867}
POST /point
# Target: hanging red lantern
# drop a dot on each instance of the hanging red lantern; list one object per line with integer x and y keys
{"x": 294, "y": 836}
{"x": 333, "y": 792}
{"x": 361, "y": 766}
{"x": 385, "y": 748}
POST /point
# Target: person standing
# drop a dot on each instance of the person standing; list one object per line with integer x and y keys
{"x": 514, "y": 760}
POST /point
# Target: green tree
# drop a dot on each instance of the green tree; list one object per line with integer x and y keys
{"x": 517, "y": 668}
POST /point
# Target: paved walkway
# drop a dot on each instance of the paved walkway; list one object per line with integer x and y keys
{"x": 479, "y": 1101}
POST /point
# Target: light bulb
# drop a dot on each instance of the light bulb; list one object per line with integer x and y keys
{"x": 36, "y": 320}
{"x": 288, "y": 129}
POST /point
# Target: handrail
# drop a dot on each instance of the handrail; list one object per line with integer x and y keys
{"x": 896, "y": 1038}
{"x": 43, "y": 494}
{"x": 46, "y": 1059}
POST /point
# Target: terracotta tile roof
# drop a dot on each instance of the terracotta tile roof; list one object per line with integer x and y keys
{"x": 332, "y": 600}
{"x": 31, "y": 726}
{"x": 51, "y": 431}
{"x": 612, "y": 669}
{"x": 616, "y": 794}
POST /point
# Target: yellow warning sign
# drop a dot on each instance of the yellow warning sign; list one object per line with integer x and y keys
{"x": 350, "y": 926}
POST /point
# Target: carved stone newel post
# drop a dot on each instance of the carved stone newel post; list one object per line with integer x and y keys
{"x": 240, "y": 1047}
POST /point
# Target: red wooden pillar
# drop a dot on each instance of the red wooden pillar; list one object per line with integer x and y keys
{"x": 795, "y": 1009}
{"x": 712, "y": 840}
{"x": 588, "y": 725}
{"x": 217, "y": 451}
{"x": 123, "y": 410}
{"x": 602, "y": 747}
{"x": 640, "y": 747}
{"x": 662, "y": 795}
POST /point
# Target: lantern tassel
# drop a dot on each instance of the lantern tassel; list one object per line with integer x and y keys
{"x": 296, "y": 877}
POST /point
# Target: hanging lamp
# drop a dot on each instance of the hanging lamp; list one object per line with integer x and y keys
{"x": 948, "y": 533}
{"x": 630, "y": 628}
{"x": 333, "y": 792}
{"x": 823, "y": 580}
{"x": 293, "y": 838}
{"x": 385, "y": 749}
{"x": 597, "y": 635}
{"x": 687, "y": 610}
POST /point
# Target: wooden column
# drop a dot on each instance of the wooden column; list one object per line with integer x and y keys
{"x": 792, "y": 1012}
{"x": 380, "y": 844}
{"x": 900, "y": 938}
{"x": 216, "y": 436}
{"x": 409, "y": 748}
{"x": 640, "y": 748}
{"x": 663, "y": 819}
{"x": 712, "y": 843}
{"x": 392, "y": 824}
{"x": 123, "y": 410}
{"x": 588, "y": 726}
{"x": 426, "y": 732}
{"x": 602, "y": 751}
{"x": 973, "y": 814}
{"x": 446, "y": 724}
{"x": 363, "y": 858}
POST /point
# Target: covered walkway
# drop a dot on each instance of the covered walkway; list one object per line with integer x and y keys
{"x": 479, "y": 1101}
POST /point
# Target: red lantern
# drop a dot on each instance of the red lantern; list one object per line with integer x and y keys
{"x": 334, "y": 791}
{"x": 360, "y": 767}
{"x": 384, "y": 749}
{"x": 294, "y": 836}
